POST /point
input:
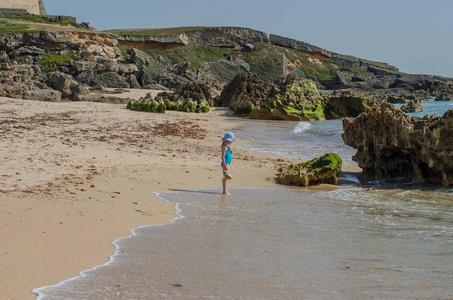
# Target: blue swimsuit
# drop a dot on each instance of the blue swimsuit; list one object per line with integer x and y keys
{"x": 228, "y": 157}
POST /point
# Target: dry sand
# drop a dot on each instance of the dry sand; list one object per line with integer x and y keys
{"x": 74, "y": 176}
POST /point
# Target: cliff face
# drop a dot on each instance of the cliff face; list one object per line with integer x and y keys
{"x": 391, "y": 144}
{"x": 100, "y": 43}
{"x": 228, "y": 37}
{"x": 339, "y": 72}
{"x": 235, "y": 37}
{"x": 210, "y": 58}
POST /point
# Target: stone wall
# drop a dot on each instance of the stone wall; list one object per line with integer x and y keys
{"x": 35, "y": 7}
{"x": 13, "y": 11}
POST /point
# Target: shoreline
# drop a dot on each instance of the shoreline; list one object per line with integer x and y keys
{"x": 76, "y": 176}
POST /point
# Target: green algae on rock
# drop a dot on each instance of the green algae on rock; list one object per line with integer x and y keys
{"x": 162, "y": 106}
{"x": 324, "y": 169}
{"x": 297, "y": 100}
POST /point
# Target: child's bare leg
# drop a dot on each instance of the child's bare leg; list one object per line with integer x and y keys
{"x": 225, "y": 190}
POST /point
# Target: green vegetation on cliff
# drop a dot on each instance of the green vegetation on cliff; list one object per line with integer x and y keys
{"x": 53, "y": 62}
{"x": 7, "y": 28}
{"x": 156, "y": 32}
{"x": 196, "y": 55}
{"x": 261, "y": 61}
{"x": 323, "y": 68}
{"x": 63, "y": 21}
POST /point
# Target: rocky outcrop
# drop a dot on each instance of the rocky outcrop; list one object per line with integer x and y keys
{"x": 223, "y": 71}
{"x": 348, "y": 105}
{"x": 70, "y": 89}
{"x": 391, "y": 144}
{"x": 28, "y": 60}
{"x": 442, "y": 96}
{"x": 443, "y": 90}
{"x": 324, "y": 169}
{"x": 298, "y": 45}
{"x": 197, "y": 93}
{"x": 100, "y": 44}
{"x": 271, "y": 68}
{"x": 110, "y": 79}
{"x": 245, "y": 92}
{"x": 413, "y": 106}
{"x": 298, "y": 99}
{"x": 43, "y": 95}
{"x": 399, "y": 98}
{"x": 231, "y": 37}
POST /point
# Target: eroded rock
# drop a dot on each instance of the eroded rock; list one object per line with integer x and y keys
{"x": 413, "y": 106}
{"x": 298, "y": 99}
{"x": 348, "y": 105}
{"x": 391, "y": 144}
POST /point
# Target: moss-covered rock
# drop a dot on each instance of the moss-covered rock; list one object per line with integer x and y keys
{"x": 159, "y": 105}
{"x": 147, "y": 105}
{"x": 246, "y": 92}
{"x": 297, "y": 100}
{"x": 324, "y": 169}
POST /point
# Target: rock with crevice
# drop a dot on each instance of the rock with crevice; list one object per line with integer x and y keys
{"x": 61, "y": 81}
{"x": 392, "y": 144}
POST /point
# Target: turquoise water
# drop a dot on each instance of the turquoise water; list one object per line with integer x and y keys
{"x": 383, "y": 240}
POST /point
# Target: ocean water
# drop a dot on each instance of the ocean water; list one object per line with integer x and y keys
{"x": 381, "y": 240}
{"x": 307, "y": 140}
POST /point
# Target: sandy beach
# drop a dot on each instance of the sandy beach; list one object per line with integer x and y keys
{"x": 75, "y": 176}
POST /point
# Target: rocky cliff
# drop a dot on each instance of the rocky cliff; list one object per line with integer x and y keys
{"x": 345, "y": 72}
{"x": 391, "y": 144}
{"x": 208, "y": 59}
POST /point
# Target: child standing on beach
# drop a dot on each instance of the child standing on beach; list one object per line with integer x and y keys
{"x": 228, "y": 139}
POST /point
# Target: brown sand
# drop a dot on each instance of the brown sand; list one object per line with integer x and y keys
{"x": 74, "y": 176}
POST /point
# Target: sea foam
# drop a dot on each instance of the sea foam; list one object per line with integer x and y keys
{"x": 301, "y": 127}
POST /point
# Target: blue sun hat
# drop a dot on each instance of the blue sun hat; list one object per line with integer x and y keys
{"x": 229, "y": 136}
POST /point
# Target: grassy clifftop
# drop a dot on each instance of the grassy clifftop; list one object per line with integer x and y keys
{"x": 19, "y": 23}
{"x": 156, "y": 32}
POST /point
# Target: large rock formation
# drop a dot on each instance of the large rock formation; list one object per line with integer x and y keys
{"x": 231, "y": 37}
{"x": 324, "y": 169}
{"x": 348, "y": 105}
{"x": 391, "y": 144}
{"x": 93, "y": 58}
{"x": 296, "y": 100}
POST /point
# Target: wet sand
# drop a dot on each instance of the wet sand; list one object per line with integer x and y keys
{"x": 75, "y": 176}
